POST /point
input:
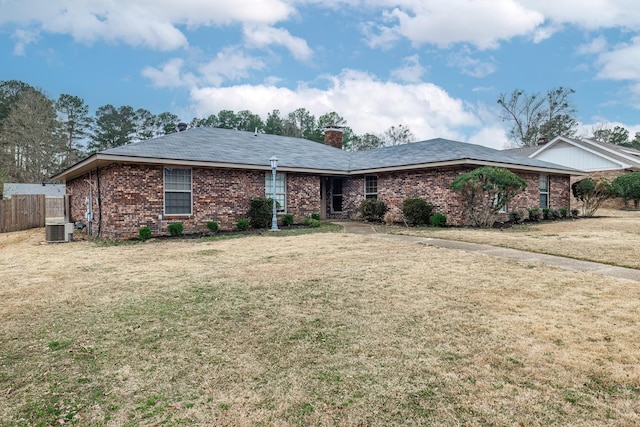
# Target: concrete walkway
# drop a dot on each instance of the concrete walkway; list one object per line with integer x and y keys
{"x": 360, "y": 228}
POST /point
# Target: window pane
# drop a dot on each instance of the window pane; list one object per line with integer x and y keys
{"x": 177, "y": 203}
{"x": 177, "y": 179}
{"x": 544, "y": 183}
{"x": 544, "y": 200}
{"x": 281, "y": 189}
{"x": 371, "y": 184}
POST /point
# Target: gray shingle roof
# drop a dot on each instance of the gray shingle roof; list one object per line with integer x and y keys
{"x": 242, "y": 149}
{"x": 440, "y": 150}
{"x": 239, "y": 147}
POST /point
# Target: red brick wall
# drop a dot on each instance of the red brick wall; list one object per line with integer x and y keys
{"x": 303, "y": 195}
{"x": 559, "y": 192}
{"x": 78, "y": 190}
{"x": 132, "y": 196}
{"x": 433, "y": 186}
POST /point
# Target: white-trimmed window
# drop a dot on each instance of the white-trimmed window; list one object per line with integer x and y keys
{"x": 281, "y": 189}
{"x": 370, "y": 187}
{"x": 177, "y": 191}
{"x": 544, "y": 191}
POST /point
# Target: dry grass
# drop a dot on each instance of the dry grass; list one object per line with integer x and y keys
{"x": 611, "y": 238}
{"x": 323, "y": 329}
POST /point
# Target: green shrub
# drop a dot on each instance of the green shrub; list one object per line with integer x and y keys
{"x": 416, "y": 211}
{"x": 243, "y": 224}
{"x": 546, "y": 214}
{"x": 575, "y": 213}
{"x": 260, "y": 212}
{"x": 212, "y": 226}
{"x": 287, "y": 219}
{"x": 592, "y": 192}
{"x": 555, "y": 214}
{"x": 144, "y": 233}
{"x": 628, "y": 187}
{"x": 563, "y": 212}
{"x": 438, "y": 220}
{"x": 485, "y": 192}
{"x": 516, "y": 217}
{"x": 175, "y": 229}
{"x": 372, "y": 210}
{"x": 535, "y": 214}
{"x": 315, "y": 216}
{"x": 311, "y": 222}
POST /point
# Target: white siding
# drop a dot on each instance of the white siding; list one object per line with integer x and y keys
{"x": 574, "y": 157}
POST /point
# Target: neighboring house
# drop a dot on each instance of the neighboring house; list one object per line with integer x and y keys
{"x": 206, "y": 174}
{"x": 49, "y": 190}
{"x": 596, "y": 159}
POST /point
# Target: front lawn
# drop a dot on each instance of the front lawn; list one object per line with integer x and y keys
{"x": 320, "y": 329}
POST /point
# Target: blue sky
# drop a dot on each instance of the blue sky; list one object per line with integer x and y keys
{"x": 436, "y": 66}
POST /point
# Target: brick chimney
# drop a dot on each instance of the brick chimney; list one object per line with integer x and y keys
{"x": 333, "y": 137}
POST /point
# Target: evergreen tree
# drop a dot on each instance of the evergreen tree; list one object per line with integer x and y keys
{"x": 73, "y": 114}
{"x": 31, "y": 140}
{"x": 114, "y": 127}
{"x": 274, "y": 124}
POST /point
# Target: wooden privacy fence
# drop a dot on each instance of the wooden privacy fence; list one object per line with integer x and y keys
{"x": 23, "y": 211}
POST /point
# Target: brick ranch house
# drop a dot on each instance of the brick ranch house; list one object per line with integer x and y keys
{"x": 205, "y": 174}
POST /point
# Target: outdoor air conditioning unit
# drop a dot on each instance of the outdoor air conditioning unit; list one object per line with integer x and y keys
{"x": 59, "y": 232}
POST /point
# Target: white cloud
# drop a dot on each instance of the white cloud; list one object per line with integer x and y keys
{"x": 589, "y": 14}
{"x": 23, "y": 39}
{"x": 230, "y": 64}
{"x": 493, "y": 136}
{"x": 485, "y": 23}
{"x": 545, "y": 32}
{"x": 170, "y": 75}
{"x": 379, "y": 35}
{"x": 471, "y": 66}
{"x": 264, "y": 36}
{"x": 482, "y": 23}
{"x": 595, "y": 46}
{"x": 411, "y": 71}
{"x": 369, "y": 104}
{"x": 621, "y": 63}
{"x": 151, "y": 23}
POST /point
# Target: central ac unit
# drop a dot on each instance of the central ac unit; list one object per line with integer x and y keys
{"x": 61, "y": 232}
